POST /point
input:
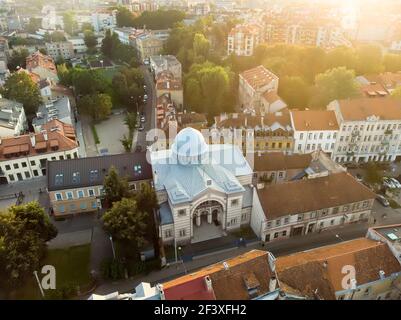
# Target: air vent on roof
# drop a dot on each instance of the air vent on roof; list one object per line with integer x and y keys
{"x": 225, "y": 265}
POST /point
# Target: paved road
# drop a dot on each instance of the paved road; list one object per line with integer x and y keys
{"x": 148, "y": 109}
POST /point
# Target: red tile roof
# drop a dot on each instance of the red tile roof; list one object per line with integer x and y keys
{"x": 37, "y": 59}
{"x": 194, "y": 289}
{"x": 258, "y": 77}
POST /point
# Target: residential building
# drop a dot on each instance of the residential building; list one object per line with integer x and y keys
{"x": 162, "y": 63}
{"x": 76, "y": 185}
{"x": 390, "y": 234}
{"x": 244, "y": 277}
{"x": 203, "y": 190}
{"x": 314, "y": 130}
{"x": 271, "y": 102}
{"x": 25, "y": 157}
{"x": 243, "y": 39}
{"x": 279, "y": 167}
{"x": 172, "y": 87}
{"x": 150, "y": 43}
{"x": 12, "y": 118}
{"x": 124, "y": 34}
{"x": 253, "y": 83}
{"x": 379, "y": 85}
{"x": 104, "y": 19}
{"x": 249, "y": 276}
{"x": 370, "y": 129}
{"x": 304, "y": 206}
{"x": 194, "y": 120}
{"x": 4, "y": 50}
{"x": 79, "y": 46}
{"x": 251, "y": 132}
{"x": 45, "y": 87}
{"x": 55, "y": 109}
{"x": 63, "y": 49}
{"x": 374, "y": 273}
{"x": 42, "y": 65}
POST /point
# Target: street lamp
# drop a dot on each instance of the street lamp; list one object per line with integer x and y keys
{"x": 112, "y": 247}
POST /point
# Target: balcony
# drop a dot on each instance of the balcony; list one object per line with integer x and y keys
{"x": 355, "y": 133}
{"x": 388, "y": 132}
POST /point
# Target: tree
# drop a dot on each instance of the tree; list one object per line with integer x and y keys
{"x": 370, "y": 59}
{"x": 294, "y": 91}
{"x": 64, "y": 74}
{"x": 56, "y": 36}
{"x": 392, "y": 62}
{"x": 97, "y": 105}
{"x": 24, "y": 231}
{"x": 201, "y": 45}
{"x": 109, "y": 44}
{"x": 87, "y": 26}
{"x": 160, "y": 19}
{"x": 193, "y": 94}
{"x": 341, "y": 57}
{"x": 373, "y": 173}
{"x": 88, "y": 81}
{"x": 337, "y": 83}
{"x": 396, "y": 93}
{"x": 130, "y": 121}
{"x": 147, "y": 202}
{"x": 70, "y": 24}
{"x": 212, "y": 84}
{"x": 20, "y": 87}
{"x": 115, "y": 188}
{"x": 34, "y": 25}
{"x": 124, "y": 17}
{"x": 126, "y": 143}
{"x": 126, "y": 223}
{"x": 90, "y": 41}
{"x": 18, "y": 59}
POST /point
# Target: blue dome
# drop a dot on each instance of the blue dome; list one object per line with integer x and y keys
{"x": 189, "y": 147}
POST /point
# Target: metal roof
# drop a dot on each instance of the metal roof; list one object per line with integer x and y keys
{"x": 91, "y": 171}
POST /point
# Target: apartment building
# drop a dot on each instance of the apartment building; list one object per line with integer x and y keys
{"x": 42, "y": 65}
{"x": 163, "y": 63}
{"x": 104, "y": 19}
{"x": 253, "y": 84}
{"x": 305, "y": 206}
{"x": 79, "y": 46}
{"x": 379, "y": 85}
{"x": 253, "y": 132}
{"x": 370, "y": 129}
{"x": 76, "y": 185}
{"x": 376, "y": 272}
{"x": 56, "y": 109}
{"x": 12, "y": 118}
{"x": 167, "y": 84}
{"x": 25, "y": 157}
{"x": 314, "y": 130}
{"x": 243, "y": 39}
{"x": 149, "y": 42}
{"x": 63, "y": 49}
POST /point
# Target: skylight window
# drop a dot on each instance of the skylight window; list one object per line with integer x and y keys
{"x": 137, "y": 170}
{"x": 59, "y": 178}
{"x": 76, "y": 177}
{"x": 93, "y": 175}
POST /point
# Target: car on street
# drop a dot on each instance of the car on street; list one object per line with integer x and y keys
{"x": 143, "y": 119}
{"x": 146, "y": 62}
{"x": 141, "y": 127}
{"x": 396, "y": 183}
{"x": 388, "y": 183}
{"x": 384, "y": 202}
{"x": 358, "y": 177}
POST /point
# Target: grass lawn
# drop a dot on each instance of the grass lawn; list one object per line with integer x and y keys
{"x": 72, "y": 269}
{"x": 109, "y": 73}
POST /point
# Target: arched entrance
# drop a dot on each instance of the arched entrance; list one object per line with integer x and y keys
{"x": 207, "y": 221}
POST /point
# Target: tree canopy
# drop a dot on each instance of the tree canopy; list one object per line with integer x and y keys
{"x": 97, "y": 105}
{"x": 24, "y": 231}
{"x": 20, "y": 87}
{"x": 337, "y": 83}
{"x": 18, "y": 59}
{"x": 115, "y": 187}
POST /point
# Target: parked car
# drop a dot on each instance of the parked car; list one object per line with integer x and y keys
{"x": 388, "y": 183}
{"x": 141, "y": 128}
{"x": 143, "y": 119}
{"x": 396, "y": 183}
{"x": 382, "y": 200}
{"x": 358, "y": 177}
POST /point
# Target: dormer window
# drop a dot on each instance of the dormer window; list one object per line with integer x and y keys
{"x": 76, "y": 177}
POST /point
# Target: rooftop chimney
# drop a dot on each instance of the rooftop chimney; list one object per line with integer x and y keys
{"x": 208, "y": 283}
{"x": 44, "y": 132}
{"x": 382, "y": 274}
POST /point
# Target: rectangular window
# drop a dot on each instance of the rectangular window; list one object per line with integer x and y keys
{"x": 27, "y": 174}
{"x": 69, "y": 195}
{"x": 168, "y": 233}
{"x": 76, "y": 177}
{"x": 73, "y": 207}
{"x": 35, "y": 173}
{"x": 11, "y": 177}
{"x": 182, "y": 233}
{"x": 8, "y": 167}
{"x": 182, "y": 212}
{"x": 83, "y": 206}
{"x": 23, "y": 164}
{"x": 286, "y": 220}
{"x": 58, "y": 196}
{"x": 94, "y": 205}
{"x": 16, "y": 166}
{"x": 33, "y": 162}
{"x": 61, "y": 208}
{"x": 91, "y": 192}
{"x": 80, "y": 194}
{"x": 276, "y": 235}
{"x": 234, "y": 202}
{"x": 300, "y": 217}
{"x": 278, "y": 222}
{"x": 284, "y": 233}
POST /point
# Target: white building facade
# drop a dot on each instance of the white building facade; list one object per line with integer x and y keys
{"x": 203, "y": 190}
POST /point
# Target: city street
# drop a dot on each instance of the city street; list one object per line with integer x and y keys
{"x": 382, "y": 215}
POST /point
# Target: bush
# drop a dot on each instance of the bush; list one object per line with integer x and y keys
{"x": 95, "y": 136}
{"x": 112, "y": 269}
{"x": 65, "y": 292}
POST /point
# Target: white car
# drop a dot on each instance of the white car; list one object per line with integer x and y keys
{"x": 396, "y": 183}
{"x": 388, "y": 183}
